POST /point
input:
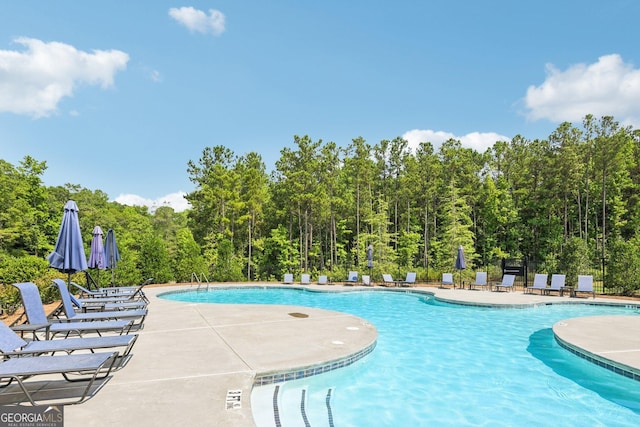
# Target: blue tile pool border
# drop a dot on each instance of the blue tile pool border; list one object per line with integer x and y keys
{"x": 618, "y": 368}
{"x": 308, "y": 371}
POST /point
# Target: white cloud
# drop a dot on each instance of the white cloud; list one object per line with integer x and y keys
{"x": 608, "y": 87}
{"x": 198, "y": 21}
{"x": 479, "y": 141}
{"x": 173, "y": 200}
{"x": 34, "y": 81}
{"x": 156, "y": 76}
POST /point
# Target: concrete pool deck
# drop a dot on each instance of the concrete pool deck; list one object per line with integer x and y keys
{"x": 190, "y": 356}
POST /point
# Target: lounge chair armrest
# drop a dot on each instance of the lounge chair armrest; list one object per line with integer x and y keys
{"x": 27, "y": 327}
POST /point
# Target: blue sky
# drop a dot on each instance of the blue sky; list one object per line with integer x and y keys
{"x": 119, "y": 96}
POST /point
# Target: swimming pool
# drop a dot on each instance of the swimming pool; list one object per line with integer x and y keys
{"x": 445, "y": 364}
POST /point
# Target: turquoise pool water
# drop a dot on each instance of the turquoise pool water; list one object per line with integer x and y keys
{"x": 441, "y": 364}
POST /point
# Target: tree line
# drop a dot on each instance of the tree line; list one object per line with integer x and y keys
{"x": 568, "y": 203}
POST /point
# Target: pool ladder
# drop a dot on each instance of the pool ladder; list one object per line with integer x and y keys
{"x": 198, "y": 280}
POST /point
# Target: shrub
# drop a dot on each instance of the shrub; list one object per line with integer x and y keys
{"x": 575, "y": 259}
{"x": 26, "y": 269}
{"x": 623, "y": 268}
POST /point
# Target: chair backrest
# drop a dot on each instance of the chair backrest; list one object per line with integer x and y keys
{"x": 139, "y": 292}
{"x": 147, "y": 282}
{"x": 288, "y": 278}
{"x": 447, "y": 278}
{"x": 585, "y": 283}
{"x": 481, "y": 277}
{"x": 353, "y": 276}
{"x": 305, "y": 278}
{"x": 387, "y": 278}
{"x": 9, "y": 340}
{"x": 32, "y": 303}
{"x": 322, "y": 280}
{"x": 75, "y": 301}
{"x": 508, "y": 279}
{"x": 85, "y": 290}
{"x": 411, "y": 277}
{"x": 67, "y": 305}
{"x": 366, "y": 280}
{"x": 540, "y": 281}
{"x": 557, "y": 281}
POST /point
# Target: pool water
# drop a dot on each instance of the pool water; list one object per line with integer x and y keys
{"x": 439, "y": 364}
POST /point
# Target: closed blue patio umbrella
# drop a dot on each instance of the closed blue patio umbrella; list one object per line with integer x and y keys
{"x": 97, "y": 259}
{"x": 461, "y": 264}
{"x": 68, "y": 254}
{"x": 370, "y": 256}
{"x": 96, "y": 256}
{"x": 111, "y": 253}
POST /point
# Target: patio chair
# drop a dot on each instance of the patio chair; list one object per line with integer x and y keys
{"x": 481, "y": 281}
{"x": 387, "y": 280}
{"x": 352, "y": 278}
{"x": 410, "y": 280}
{"x": 121, "y": 302}
{"x": 366, "y": 280}
{"x": 137, "y": 315}
{"x": 135, "y": 293}
{"x": 37, "y": 320}
{"x": 84, "y": 294}
{"x": 110, "y": 290}
{"x": 557, "y": 284}
{"x": 447, "y": 280}
{"x": 305, "y": 279}
{"x": 323, "y": 280}
{"x": 585, "y": 285}
{"x": 288, "y": 279}
{"x": 116, "y": 294}
{"x": 93, "y": 304}
{"x": 507, "y": 283}
{"x": 11, "y": 344}
{"x": 539, "y": 284}
{"x": 92, "y": 367}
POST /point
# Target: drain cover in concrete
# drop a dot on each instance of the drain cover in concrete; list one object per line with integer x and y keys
{"x": 300, "y": 315}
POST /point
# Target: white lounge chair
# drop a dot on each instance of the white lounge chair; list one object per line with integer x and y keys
{"x": 352, "y": 278}
{"x": 410, "y": 280}
{"x": 366, "y": 280}
{"x": 481, "y": 281}
{"x": 305, "y": 279}
{"x": 288, "y": 279}
{"x": 585, "y": 285}
{"x": 507, "y": 282}
{"x": 539, "y": 284}
{"x": 447, "y": 280}
{"x": 323, "y": 280}
{"x": 557, "y": 284}
{"x": 387, "y": 280}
